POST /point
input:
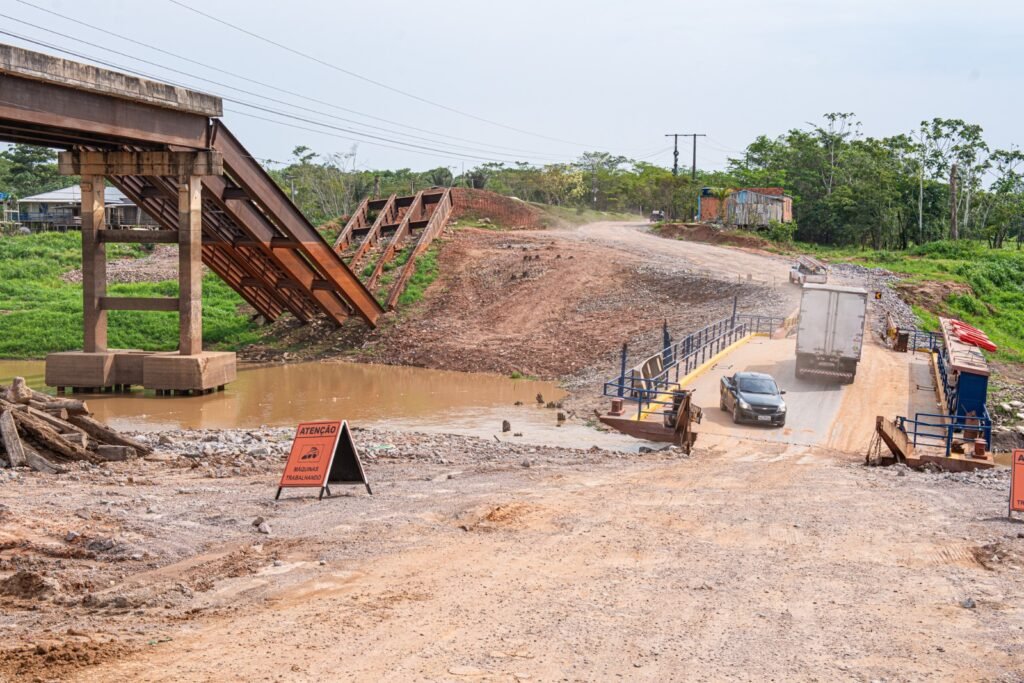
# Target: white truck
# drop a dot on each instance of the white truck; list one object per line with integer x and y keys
{"x": 808, "y": 270}
{"x": 830, "y": 333}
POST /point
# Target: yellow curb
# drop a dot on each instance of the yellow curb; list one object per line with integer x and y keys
{"x": 697, "y": 372}
{"x": 710, "y": 362}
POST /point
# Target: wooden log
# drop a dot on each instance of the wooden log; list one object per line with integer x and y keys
{"x": 106, "y": 435}
{"x": 59, "y": 425}
{"x": 45, "y": 402}
{"x": 39, "y": 463}
{"x": 77, "y": 438}
{"x": 41, "y": 407}
{"x": 19, "y": 392}
{"x": 12, "y": 442}
{"x": 50, "y": 438}
{"x": 112, "y": 453}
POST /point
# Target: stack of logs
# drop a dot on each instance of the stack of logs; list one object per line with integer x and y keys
{"x": 46, "y": 433}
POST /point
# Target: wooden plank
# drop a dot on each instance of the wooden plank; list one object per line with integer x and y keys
{"x": 139, "y": 236}
{"x": 104, "y": 434}
{"x": 12, "y": 442}
{"x": 49, "y": 438}
{"x": 39, "y": 463}
{"x": 190, "y": 266}
{"x": 138, "y": 303}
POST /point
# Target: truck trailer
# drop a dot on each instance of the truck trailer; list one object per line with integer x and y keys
{"x": 830, "y": 334}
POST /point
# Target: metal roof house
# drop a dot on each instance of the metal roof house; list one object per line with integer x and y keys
{"x": 747, "y": 207}
{"x": 62, "y": 210}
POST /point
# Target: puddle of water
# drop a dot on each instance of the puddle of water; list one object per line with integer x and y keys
{"x": 419, "y": 399}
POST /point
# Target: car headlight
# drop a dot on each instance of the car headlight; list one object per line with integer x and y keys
{"x": 744, "y": 405}
{"x": 782, "y": 408}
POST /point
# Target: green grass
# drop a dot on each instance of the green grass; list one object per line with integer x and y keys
{"x": 996, "y": 278}
{"x": 425, "y": 271}
{"x": 40, "y": 313}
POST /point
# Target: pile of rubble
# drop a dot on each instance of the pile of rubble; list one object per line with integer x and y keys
{"x": 46, "y": 433}
{"x": 889, "y": 308}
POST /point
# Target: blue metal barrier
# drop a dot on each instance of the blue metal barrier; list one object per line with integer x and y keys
{"x": 660, "y": 373}
{"x": 935, "y": 429}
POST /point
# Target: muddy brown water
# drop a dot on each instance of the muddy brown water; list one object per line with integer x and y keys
{"x": 370, "y": 395}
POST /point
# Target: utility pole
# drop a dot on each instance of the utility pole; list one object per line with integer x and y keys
{"x": 675, "y": 151}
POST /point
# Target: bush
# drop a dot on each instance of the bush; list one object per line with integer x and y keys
{"x": 781, "y": 233}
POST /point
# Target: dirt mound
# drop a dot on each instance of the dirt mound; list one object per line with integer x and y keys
{"x": 28, "y": 586}
{"x": 701, "y": 232}
{"x": 931, "y": 296}
{"x": 501, "y": 211}
{"x": 542, "y": 307}
{"x": 58, "y": 659}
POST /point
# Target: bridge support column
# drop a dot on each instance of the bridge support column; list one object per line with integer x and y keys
{"x": 190, "y": 266}
{"x": 94, "y": 264}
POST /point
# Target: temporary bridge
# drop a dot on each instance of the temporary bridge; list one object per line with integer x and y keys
{"x": 166, "y": 149}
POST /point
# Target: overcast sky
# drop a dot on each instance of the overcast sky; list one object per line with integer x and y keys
{"x": 567, "y": 75}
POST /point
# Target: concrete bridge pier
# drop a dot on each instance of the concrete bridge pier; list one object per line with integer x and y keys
{"x": 97, "y": 368}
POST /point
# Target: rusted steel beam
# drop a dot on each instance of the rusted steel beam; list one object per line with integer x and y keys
{"x": 440, "y": 213}
{"x": 359, "y": 218}
{"x": 71, "y": 112}
{"x": 109, "y": 236}
{"x": 258, "y": 229}
{"x": 388, "y": 212}
{"x": 161, "y": 209}
{"x": 392, "y": 248}
{"x": 287, "y": 218}
{"x": 138, "y": 303}
{"x": 148, "y": 163}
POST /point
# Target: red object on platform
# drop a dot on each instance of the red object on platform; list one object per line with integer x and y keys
{"x": 972, "y": 335}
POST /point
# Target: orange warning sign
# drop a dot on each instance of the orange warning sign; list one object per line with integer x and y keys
{"x": 1017, "y": 481}
{"x": 323, "y": 453}
{"x": 312, "y": 452}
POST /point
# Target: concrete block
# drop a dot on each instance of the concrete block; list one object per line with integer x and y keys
{"x": 79, "y": 369}
{"x": 173, "y": 372}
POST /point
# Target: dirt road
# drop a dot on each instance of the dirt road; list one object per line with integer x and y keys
{"x": 743, "y": 565}
{"x": 635, "y": 238}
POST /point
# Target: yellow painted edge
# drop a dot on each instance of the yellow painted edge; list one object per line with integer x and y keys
{"x": 707, "y": 365}
{"x": 698, "y": 371}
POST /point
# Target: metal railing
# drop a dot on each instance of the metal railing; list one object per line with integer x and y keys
{"x": 935, "y": 429}
{"x": 661, "y": 372}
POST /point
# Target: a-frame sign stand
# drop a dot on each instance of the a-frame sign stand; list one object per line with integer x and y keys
{"x": 323, "y": 453}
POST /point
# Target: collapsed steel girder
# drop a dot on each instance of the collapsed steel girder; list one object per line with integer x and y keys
{"x": 254, "y": 238}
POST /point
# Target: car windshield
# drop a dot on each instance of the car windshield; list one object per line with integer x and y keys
{"x": 758, "y": 386}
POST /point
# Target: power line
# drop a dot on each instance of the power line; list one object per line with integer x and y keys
{"x": 269, "y": 85}
{"x": 675, "y": 150}
{"x": 247, "y": 92}
{"x": 379, "y": 84}
{"x": 404, "y": 144}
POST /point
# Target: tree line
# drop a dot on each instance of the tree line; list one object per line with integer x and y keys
{"x": 938, "y": 181}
